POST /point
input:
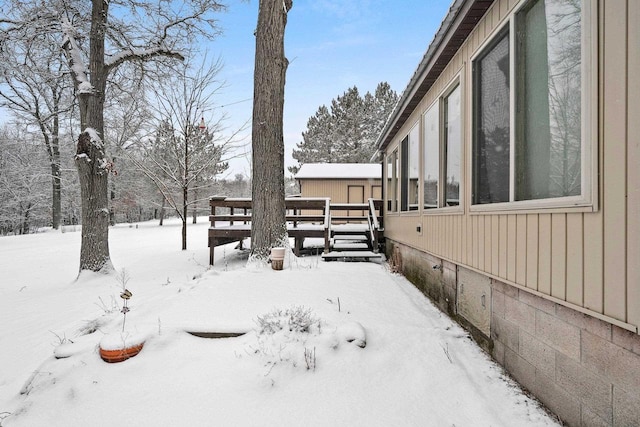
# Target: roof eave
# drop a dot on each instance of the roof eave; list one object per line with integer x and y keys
{"x": 462, "y": 18}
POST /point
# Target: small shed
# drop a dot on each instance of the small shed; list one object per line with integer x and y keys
{"x": 341, "y": 182}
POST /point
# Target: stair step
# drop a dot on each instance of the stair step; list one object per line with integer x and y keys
{"x": 358, "y": 237}
{"x": 350, "y": 228}
{"x": 351, "y": 256}
{"x": 350, "y": 246}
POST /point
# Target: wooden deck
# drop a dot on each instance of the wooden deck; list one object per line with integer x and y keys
{"x": 306, "y": 218}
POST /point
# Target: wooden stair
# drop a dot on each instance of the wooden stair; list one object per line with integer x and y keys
{"x": 351, "y": 256}
{"x": 351, "y": 243}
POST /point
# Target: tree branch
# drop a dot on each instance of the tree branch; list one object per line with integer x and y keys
{"x": 141, "y": 55}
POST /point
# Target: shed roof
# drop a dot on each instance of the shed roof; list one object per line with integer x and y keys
{"x": 462, "y": 18}
{"x": 339, "y": 171}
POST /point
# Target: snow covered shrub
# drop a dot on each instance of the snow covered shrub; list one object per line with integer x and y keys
{"x": 296, "y": 338}
{"x": 283, "y": 337}
{"x": 294, "y": 319}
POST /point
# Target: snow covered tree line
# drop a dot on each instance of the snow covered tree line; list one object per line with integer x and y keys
{"x": 80, "y": 71}
{"x": 25, "y": 183}
{"x": 346, "y": 131}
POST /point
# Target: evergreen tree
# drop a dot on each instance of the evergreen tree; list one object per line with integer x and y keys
{"x": 348, "y": 131}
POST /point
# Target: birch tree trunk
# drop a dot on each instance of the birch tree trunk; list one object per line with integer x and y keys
{"x": 268, "y": 227}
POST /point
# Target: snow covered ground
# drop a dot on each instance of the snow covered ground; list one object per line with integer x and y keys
{"x": 417, "y": 368}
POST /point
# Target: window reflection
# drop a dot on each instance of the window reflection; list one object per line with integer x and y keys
{"x": 549, "y": 99}
{"x": 491, "y": 139}
{"x": 453, "y": 141}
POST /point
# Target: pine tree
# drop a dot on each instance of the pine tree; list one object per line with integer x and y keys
{"x": 348, "y": 130}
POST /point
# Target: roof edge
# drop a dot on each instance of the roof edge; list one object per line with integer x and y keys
{"x": 458, "y": 12}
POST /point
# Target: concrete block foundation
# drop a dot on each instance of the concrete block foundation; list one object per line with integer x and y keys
{"x": 585, "y": 370}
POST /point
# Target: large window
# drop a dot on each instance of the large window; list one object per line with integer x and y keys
{"x": 452, "y": 147}
{"x": 411, "y": 170}
{"x": 431, "y": 173}
{"x": 442, "y": 141}
{"x": 392, "y": 182}
{"x": 533, "y": 149}
{"x": 491, "y": 123}
{"x": 548, "y": 53}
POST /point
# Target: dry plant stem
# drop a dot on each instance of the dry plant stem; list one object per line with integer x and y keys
{"x": 446, "y": 352}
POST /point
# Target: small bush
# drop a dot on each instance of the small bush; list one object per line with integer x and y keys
{"x": 296, "y": 319}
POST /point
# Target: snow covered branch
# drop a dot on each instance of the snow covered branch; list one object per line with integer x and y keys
{"x": 141, "y": 55}
{"x": 72, "y": 51}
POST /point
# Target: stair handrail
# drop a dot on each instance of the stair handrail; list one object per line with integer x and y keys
{"x": 327, "y": 225}
{"x": 373, "y": 225}
{"x": 373, "y": 215}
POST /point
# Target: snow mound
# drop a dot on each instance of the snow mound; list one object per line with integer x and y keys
{"x": 352, "y": 332}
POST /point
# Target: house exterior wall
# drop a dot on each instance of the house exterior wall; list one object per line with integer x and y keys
{"x": 564, "y": 281}
{"x": 586, "y": 257}
{"x": 337, "y": 189}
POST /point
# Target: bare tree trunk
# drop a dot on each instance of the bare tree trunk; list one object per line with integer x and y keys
{"x": 195, "y": 203}
{"x": 112, "y": 197}
{"x": 90, "y": 156}
{"x": 94, "y": 250}
{"x": 24, "y": 229}
{"x": 52, "y": 143}
{"x": 164, "y": 201}
{"x": 56, "y": 213}
{"x": 185, "y": 192}
{"x": 56, "y": 172}
{"x": 268, "y": 227}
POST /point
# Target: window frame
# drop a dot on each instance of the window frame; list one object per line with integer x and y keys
{"x": 391, "y": 191}
{"x": 456, "y": 82}
{"x": 444, "y": 138}
{"x": 587, "y": 201}
{"x": 423, "y": 119}
{"x": 405, "y": 166}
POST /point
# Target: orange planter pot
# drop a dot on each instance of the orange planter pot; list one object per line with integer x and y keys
{"x": 121, "y": 354}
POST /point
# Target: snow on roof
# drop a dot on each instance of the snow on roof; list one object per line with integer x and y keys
{"x": 339, "y": 171}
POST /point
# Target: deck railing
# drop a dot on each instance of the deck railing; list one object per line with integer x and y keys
{"x": 306, "y": 217}
{"x": 300, "y": 223}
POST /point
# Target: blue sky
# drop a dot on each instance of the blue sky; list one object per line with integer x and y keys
{"x": 331, "y": 45}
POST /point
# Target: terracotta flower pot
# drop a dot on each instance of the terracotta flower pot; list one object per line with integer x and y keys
{"x": 120, "y": 347}
{"x": 121, "y": 354}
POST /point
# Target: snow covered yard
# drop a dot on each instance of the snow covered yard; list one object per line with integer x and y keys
{"x": 417, "y": 368}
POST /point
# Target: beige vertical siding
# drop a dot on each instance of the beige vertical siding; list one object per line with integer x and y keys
{"x": 495, "y": 247}
{"x": 614, "y": 129}
{"x": 575, "y": 265}
{"x": 590, "y": 260}
{"x": 503, "y": 249}
{"x": 532, "y": 252}
{"x": 633, "y": 162}
{"x": 558, "y": 255}
{"x": 521, "y": 249}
